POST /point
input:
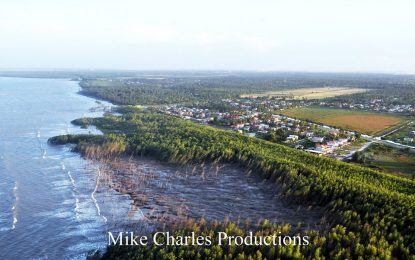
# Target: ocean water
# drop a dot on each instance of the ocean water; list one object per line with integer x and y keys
{"x": 52, "y": 205}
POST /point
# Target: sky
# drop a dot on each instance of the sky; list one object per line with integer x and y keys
{"x": 265, "y": 35}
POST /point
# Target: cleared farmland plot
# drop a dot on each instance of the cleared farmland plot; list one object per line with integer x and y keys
{"x": 309, "y": 93}
{"x": 364, "y": 122}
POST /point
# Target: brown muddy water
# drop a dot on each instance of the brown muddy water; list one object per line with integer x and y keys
{"x": 164, "y": 193}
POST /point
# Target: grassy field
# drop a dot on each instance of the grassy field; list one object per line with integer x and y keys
{"x": 396, "y": 161}
{"x": 364, "y": 122}
{"x": 309, "y": 93}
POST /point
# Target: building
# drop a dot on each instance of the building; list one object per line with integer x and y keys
{"x": 317, "y": 139}
{"x": 292, "y": 138}
{"x": 319, "y": 153}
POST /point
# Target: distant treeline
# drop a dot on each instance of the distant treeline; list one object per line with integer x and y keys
{"x": 201, "y": 89}
{"x": 390, "y": 94}
{"x": 372, "y": 212}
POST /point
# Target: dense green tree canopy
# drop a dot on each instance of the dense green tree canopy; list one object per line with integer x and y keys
{"x": 371, "y": 212}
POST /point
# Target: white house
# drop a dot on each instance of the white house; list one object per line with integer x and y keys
{"x": 317, "y": 139}
{"x": 292, "y": 138}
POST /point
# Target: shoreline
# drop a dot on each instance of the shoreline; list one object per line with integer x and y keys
{"x": 158, "y": 135}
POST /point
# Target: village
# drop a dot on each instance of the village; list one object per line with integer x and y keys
{"x": 249, "y": 120}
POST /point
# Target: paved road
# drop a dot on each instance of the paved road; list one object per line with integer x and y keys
{"x": 378, "y": 139}
{"x": 364, "y": 147}
{"x": 396, "y": 145}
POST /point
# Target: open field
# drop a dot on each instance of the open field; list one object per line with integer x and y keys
{"x": 309, "y": 93}
{"x": 396, "y": 161}
{"x": 364, "y": 122}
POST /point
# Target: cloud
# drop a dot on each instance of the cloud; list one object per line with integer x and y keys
{"x": 313, "y": 35}
{"x": 149, "y": 34}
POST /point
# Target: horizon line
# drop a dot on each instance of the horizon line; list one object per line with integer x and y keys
{"x": 5, "y": 70}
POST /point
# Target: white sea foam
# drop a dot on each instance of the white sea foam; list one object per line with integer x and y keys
{"x": 72, "y": 179}
{"x": 94, "y": 199}
{"x": 14, "y": 222}
{"x": 14, "y": 207}
{"x": 77, "y": 205}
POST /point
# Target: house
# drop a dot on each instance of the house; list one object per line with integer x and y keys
{"x": 309, "y": 134}
{"x": 332, "y": 143}
{"x": 292, "y": 138}
{"x": 263, "y": 126}
{"x": 276, "y": 118}
{"x": 334, "y": 133}
{"x": 408, "y": 139}
{"x": 343, "y": 141}
{"x": 323, "y": 148}
{"x": 239, "y": 126}
{"x": 317, "y": 139}
{"x": 319, "y": 153}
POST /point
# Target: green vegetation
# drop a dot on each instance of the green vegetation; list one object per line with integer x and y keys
{"x": 364, "y": 122}
{"x": 404, "y": 134}
{"x": 385, "y": 158}
{"x": 178, "y": 90}
{"x": 202, "y": 88}
{"x": 371, "y": 212}
{"x": 390, "y": 92}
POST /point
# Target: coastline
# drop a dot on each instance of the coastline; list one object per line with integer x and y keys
{"x": 306, "y": 184}
{"x": 47, "y": 191}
